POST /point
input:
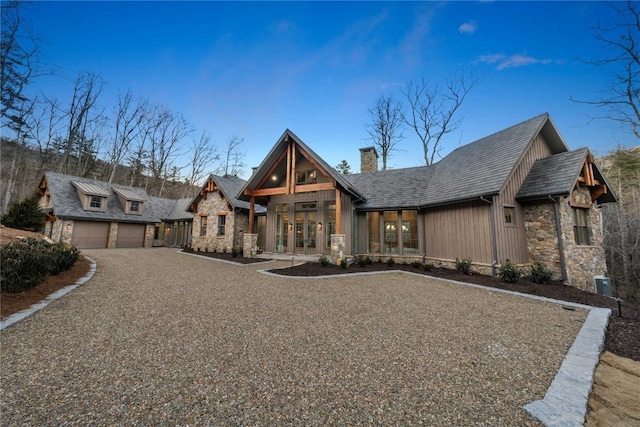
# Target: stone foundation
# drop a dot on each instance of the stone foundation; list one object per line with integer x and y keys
{"x": 250, "y": 245}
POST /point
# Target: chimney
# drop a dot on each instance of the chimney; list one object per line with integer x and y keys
{"x": 368, "y": 160}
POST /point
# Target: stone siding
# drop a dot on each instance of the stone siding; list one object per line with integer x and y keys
{"x": 211, "y": 242}
{"x": 148, "y": 235}
{"x": 368, "y": 160}
{"x": 582, "y": 262}
{"x": 112, "y": 237}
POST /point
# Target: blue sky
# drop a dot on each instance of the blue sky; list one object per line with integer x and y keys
{"x": 255, "y": 69}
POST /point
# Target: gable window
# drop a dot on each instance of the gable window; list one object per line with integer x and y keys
{"x": 95, "y": 202}
{"x": 222, "y": 222}
{"x": 510, "y": 215}
{"x": 203, "y": 225}
{"x": 307, "y": 177}
{"x": 581, "y": 226}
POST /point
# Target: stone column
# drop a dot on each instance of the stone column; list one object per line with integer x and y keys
{"x": 249, "y": 245}
{"x": 337, "y": 248}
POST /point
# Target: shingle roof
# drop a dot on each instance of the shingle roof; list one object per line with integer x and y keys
{"x": 553, "y": 175}
{"x": 483, "y": 167}
{"x": 557, "y": 175}
{"x": 231, "y": 187}
{"x": 394, "y": 188}
{"x": 66, "y": 202}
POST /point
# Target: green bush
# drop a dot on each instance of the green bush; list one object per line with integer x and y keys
{"x": 344, "y": 263}
{"x": 24, "y": 215}
{"x": 235, "y": 252}
{"x": 25, "y": 264}
{"x": 416, "y": 264}
{"x": 324, "y": 261}
{"x": 363, "y": 261}
{"x": 391, "y": 262}
{"x": 427, "y": 266}
{"x": 509, "y": 272}
{"x": 464, "y": 266}
{"x": 540, "y": 273}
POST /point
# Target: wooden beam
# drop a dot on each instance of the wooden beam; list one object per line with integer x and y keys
{"x": 338, "y": 212}
{"x": 293, "y": 169}
{"x": 580, "y": 205}
{"x": 288, "y": 183}
{"x": 203, "y": 194}
{"x": 265, "y": 191}
{"x": 313, "y": 162}
{"x": 252, "y": 212}
{"x": 306, "y": 188}
{"x": 598, "y": 191}
{"x": 194, "y": 208}
{"x": 271, "y": 169}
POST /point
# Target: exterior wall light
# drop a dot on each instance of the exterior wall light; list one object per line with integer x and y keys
{"x": 319, "y": 226}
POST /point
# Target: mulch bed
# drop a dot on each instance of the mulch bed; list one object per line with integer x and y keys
{"x": 11, "y": 303}
{"x": 622, "y": 337}
{"x": 226, "y": 256}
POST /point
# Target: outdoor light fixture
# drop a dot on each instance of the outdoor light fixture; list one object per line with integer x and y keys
{"x": 319, "y": 226}
{"x": 274, "y": 178}
{"x": 290, "y": 226}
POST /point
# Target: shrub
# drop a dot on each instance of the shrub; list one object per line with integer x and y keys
{"x": 25, "y": 215}
{"x": 235, "y": 252}
{"x": 344, "y": 263}
{"x": 540, "y": 273}
{"x": 464, "y": 266}
{"x": 26, "y": 263}
{"x": 363, "y": 261}
{"x": 324, "y": 261}
{"x": 391, "y": 262}
{"x": 427, "y": 266}
{"x": 416, "y": 264}
{"x": 509, "y": 272}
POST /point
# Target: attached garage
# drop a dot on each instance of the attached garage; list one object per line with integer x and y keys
{"x": 130, "y": 235}
{"x": 90, "y": 234}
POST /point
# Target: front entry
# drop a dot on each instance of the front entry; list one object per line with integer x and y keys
{"x": 305, "y": 227}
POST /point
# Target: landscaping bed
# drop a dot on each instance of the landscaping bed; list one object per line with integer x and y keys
{"x": 238, "y": 258}
{"x": 622, "y": 333}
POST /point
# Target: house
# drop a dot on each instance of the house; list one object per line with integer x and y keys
{"x": 221, "y": 219}
{"x": 96, "y": 214}
{"x": 518, "y": 194}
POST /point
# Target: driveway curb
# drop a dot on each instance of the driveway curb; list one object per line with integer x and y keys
{"x": 16, "y": 317}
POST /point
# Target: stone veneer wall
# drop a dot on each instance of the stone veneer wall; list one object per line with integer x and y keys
{"x": 368, "y": 160}
{"x": 212, "y": 242}
{"x": 148, "y": 235}
{"x": 582, "y": 262}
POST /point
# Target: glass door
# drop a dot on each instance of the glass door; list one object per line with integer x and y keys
{"x": 305, "y": 228}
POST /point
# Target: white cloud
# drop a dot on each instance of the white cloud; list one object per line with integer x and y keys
{"x": 512, "y": 61}
{"x": 468, "y": 27}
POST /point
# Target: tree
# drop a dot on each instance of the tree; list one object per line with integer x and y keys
{"x": 203, "y": 153}
{"x": 129, "y": 115}
{"x": 232, "y": 160}
{"x": 344, "y": 168}
{"x": 433, "y": 110}
{"x": 385, "y": 128}
{"x": 19, "y": 64}
{"x": 25, "y": 215}
{"x": 619, "y": 98}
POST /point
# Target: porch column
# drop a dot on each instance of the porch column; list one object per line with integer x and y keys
{"x": 252, "y": 206}
{"x": 338, "y": 212}
{"x": 249, "y": 245}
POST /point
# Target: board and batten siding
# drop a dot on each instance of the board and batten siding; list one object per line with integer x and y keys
{"x": 459, "y": 231}
{"x": 511, "y": 240}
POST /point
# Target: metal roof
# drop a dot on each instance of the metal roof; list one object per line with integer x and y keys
{"x": 129, "y": 195}
{"x": 91, "y": 189}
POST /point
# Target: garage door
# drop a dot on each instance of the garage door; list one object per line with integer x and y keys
{"x": 90, "y": 234}
{"x": 130, "y": 235}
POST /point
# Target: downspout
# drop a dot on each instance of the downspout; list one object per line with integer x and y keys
{"x": 563, "y": 267}
{"x": 494, "y": 243}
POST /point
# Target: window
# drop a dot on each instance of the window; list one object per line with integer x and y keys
{"x": 203, "y": 225}
{"x": 307, "y": 177}
{"x": 510, "y": 215}
{"x": 222, "y": 222}
{"x": 134, "y": 206}
{"x": 373, "y": 232}
{"x": 580, "y": 226}
{"x": 95, "y": 202}
{"x": 410, "y": 232}
{"x": 390, "y": 231}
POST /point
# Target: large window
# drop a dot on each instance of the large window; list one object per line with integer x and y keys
{"x": 307, "y": 177}
{"x": 329, "y": 222}
{"x": 373, "y": 232}
{"x": 391, "y": 232}
{"x": 222, "y": 223}
{"x": 410, "y": 232}
{"x": 581, "y": 226}
{"x": 282, "y": 227}
{"x": 203, "y": 225}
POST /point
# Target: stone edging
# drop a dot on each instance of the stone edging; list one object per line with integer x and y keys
{"x": 16, "y": 317}
{"x": 238, "y": 264}
{"x": 566, "y": 399}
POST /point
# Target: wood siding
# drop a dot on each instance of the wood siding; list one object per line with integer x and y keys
{"x": 511, "y": 239}
{"x": 459, "y": 231}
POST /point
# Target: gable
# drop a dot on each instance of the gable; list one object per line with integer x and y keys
{"x": 292, "y": 167}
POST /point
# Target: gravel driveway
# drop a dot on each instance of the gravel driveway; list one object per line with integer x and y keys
{"x": 161, "y": 338}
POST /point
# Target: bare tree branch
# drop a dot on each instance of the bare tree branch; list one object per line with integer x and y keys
{"x": 386, "y": 126}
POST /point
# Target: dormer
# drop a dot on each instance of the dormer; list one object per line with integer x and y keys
{"x": 132, "y": 203}
{"x": 93, "y": 197}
